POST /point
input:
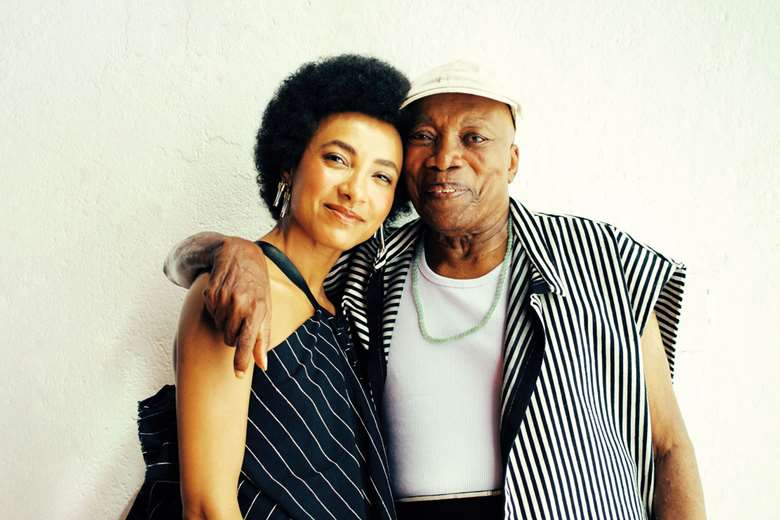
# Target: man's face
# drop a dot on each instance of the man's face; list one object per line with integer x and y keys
{"x": 460, "y": 159}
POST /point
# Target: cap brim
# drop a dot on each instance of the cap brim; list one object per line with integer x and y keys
{"x": 513, "y": 105}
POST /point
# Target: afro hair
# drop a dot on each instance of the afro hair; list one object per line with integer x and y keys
{"x": 338, "y": 84}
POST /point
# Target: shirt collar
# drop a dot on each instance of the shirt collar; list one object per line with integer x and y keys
{"x": 527, "y": 227}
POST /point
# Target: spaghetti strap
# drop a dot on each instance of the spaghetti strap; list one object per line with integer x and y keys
{"x": 313, "y": 369}
{"x": 289, "y": 270}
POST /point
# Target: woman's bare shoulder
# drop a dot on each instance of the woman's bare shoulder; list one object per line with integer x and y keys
{"x": 195, "y": 323}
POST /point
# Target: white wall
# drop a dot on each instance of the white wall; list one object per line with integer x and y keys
{"x": 126, "y": 126}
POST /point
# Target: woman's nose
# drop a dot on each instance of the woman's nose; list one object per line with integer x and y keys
{"x": 352, "y": 188}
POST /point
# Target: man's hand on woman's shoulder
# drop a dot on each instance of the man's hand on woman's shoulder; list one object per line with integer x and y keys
{"x": 237, "y": 294}
{"x": 238, "y": 298}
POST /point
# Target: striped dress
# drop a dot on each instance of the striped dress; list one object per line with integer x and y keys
{"x": 313, "y": 444}
{"x": 575, "y": 430}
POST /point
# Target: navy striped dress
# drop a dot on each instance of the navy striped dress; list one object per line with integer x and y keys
{"x": 313, "y": 445}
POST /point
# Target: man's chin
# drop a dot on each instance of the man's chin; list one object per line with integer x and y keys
{"x": 436, "y": 208}
{"x": 441, "y": 222}
{"x": 455, "y": 202}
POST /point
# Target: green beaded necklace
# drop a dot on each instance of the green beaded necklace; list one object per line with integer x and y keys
{"x": 493, "y": 305}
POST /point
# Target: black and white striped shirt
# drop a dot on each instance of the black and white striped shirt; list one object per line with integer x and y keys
{"x": 575, "y": 425}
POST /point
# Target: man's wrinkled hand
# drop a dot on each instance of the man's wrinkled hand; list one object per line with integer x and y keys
{"x": 238, "y": 298}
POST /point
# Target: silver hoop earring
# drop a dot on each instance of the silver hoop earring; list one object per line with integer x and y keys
{"x": 283, "y": 195}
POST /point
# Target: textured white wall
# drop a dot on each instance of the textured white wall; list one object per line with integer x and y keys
{"x": 128, "y": 125}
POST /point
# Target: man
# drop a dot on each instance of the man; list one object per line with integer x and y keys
{"x": 522, "y": 361}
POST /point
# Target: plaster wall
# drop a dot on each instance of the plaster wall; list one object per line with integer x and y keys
{"x": 129, "y": 125}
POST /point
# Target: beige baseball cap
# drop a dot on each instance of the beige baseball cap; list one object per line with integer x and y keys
{"x": 462, "y": 77}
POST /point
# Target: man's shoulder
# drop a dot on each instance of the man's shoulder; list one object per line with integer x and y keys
{"x": 555, "y": 223}
{"x": 575, "y": 233}
{"x": 566, "y": 219}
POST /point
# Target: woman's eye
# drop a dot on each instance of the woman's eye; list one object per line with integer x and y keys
{"x": 386, "y": 179}
{"x": 334, "y": 157}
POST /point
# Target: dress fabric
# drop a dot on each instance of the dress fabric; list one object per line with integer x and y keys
{"x": 313, "y": 445}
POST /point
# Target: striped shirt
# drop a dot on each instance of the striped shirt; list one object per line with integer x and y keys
{"x": 313, "y": 449}
{"x": 575, "y": 432}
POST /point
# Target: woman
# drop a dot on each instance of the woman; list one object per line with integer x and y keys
{"x": 300, "y": 439}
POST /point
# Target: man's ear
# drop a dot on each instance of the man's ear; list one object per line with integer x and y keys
{"x": 513, "y": 162}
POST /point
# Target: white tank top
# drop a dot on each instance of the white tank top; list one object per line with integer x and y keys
{"x": 441, "y": 400}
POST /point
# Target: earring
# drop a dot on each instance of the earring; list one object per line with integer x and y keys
{"x": 283, "y": 194}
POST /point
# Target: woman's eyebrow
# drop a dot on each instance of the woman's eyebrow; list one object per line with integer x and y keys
{"x": 351, "y": 150}
{"x": 388, "y": 163}
{"x": 341, "y": 144}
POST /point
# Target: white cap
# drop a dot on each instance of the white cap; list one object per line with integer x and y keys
{"x": 461, "y": 77}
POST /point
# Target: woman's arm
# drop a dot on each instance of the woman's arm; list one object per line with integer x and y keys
{"x": 212, "y": 407}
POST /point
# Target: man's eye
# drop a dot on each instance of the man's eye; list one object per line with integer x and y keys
{"x": 474, "y": 138}
{"x": 334, "y": 157}
{"x": 420, "y": 136}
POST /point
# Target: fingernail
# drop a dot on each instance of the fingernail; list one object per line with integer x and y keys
{"x": 265, "y": 362}
{"x": 240, "y": 374}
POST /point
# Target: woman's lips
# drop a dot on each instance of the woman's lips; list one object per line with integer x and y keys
{"x": 444, "y": 190}
{"x": 343, "y": 214}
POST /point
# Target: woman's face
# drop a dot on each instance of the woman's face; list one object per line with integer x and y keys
{"x": 343, "y": 186}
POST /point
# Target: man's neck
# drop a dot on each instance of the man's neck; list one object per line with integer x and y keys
{"x": 467, "y": 256}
